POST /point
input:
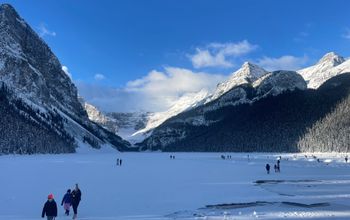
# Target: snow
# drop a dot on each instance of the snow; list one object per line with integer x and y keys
{"x": 186, "y": 102}
{"x": 328, "y": 66}
{"x": 152, "y": 186}
{"x": 246, "y": 74}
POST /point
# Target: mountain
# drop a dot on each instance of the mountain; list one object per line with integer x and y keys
{"x": 124, "y": 124}
{"x": 129, "y": 123}
{"x": 328, "y": 66}
{"x": 248, "y": 73}
{"x": 238, "y": 120}
{"x": 331, "y": 132}
{"x": 98, "y": 117}
{"x": 184, "y": 103}
{"x": 39, "y": 91}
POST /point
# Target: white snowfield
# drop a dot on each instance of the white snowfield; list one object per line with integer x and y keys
{"x": 152, "y": 186}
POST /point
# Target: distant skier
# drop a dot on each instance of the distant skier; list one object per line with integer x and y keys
{"x": 50, "y": 208}
{"x": 76, "y": 197}
{"x": 67, "y": 202}
{"x": 267, "y": 168}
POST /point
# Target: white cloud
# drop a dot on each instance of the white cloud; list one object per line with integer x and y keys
{"x": 346, "y": 34}
{"x": 156, "y": 91}
{"x": 99, "y": 76}
{"x": 44, "y": 31}
{"x": 286, "y": 62}
{"x": 220, "y": 54}
{"x": 66, "y": 71}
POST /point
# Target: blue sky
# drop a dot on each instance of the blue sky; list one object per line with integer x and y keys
{"x": 119, "y": 52}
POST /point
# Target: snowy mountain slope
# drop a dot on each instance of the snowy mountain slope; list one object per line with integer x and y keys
{"x": 216, "y": 125}
{"x": 98, "y": 117}
{"x": 328, "y": 66}
{"x": 33, "y": 75}
{"x": 185, "y": 103}
{"x": 129, "y": 123}
{"x": 248, "y": 73}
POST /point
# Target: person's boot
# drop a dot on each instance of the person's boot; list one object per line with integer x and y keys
{"x": 75, "y": 216}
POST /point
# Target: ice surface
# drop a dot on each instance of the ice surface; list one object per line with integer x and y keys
{"x": 152, "y": 186}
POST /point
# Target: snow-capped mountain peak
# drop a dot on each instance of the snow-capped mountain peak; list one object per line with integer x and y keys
{"x": 248, "y": 73}
{"x": 332, "y": 59}
{"x": 324, "y": 69}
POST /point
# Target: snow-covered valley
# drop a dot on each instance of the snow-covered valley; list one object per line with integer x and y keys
{"x": 153, "y": 186}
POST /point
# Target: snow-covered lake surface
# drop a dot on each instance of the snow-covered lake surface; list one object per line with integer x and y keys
{"x": 153, "y": 186}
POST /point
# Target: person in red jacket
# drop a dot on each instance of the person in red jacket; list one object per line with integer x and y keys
{"x": 50, "y": 208}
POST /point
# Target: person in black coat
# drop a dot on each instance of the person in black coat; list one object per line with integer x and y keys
{"x": 50, "y": 208}
{"x": 267, "y": 167}
{"x": 76, "y": 197}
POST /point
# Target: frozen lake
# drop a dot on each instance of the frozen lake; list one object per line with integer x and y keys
{"x": 153, "y": 186}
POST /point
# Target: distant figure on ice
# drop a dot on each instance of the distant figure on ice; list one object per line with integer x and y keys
{"x": 223, "y": 157}
{"x": 118, "y": 162}
{"x": 267, "y": 168}
{"x": 248, "y": 158}
{"x": 346, "y": 159}
{"x": 67, "y": 202}
{"x": 76, "y": 197}
{"x": 278, "y": 166}
{"x": 275, "y": 167}
{"x": 50, "y": 208}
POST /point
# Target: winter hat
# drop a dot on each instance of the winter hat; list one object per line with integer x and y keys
{"x": 50, "y": 196}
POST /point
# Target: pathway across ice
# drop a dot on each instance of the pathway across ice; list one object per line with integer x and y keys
{"x": 152, "y": 186}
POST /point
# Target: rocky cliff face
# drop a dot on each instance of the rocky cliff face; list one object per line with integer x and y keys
{"x": 29, "y": 67}
{"x": 38, "y": 90}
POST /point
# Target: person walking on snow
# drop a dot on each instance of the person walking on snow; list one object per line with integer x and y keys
{"x": 76, "y": 197}
{"x": 267, "y": 168}
{"x": 50, "y": 208}
{"x": 67, "y": 202}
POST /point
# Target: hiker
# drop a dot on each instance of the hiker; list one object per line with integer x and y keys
{"x": 346, "y": 159}
{"x": 278, "y": 165}
{"x": 76, "y": 197}
{"x": 118, "y": 162}
{"x": 50, "y": 208}
{"x": 67, "y": 202}
{"x": 275, "y": 167}
{"x": 267, "y": 168}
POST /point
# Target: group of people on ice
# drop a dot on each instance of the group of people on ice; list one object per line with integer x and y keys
{"x": 71, "y": 198}
{"x": 119, "y": 162}
{"x": 277, "y": 166}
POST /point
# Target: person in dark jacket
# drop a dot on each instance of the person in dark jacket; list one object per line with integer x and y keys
{"x": 50, "y": 208}
{"x": 76, "y": 197}
{"x": 67, "y": 201}
{"x": 267, "y": 168}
